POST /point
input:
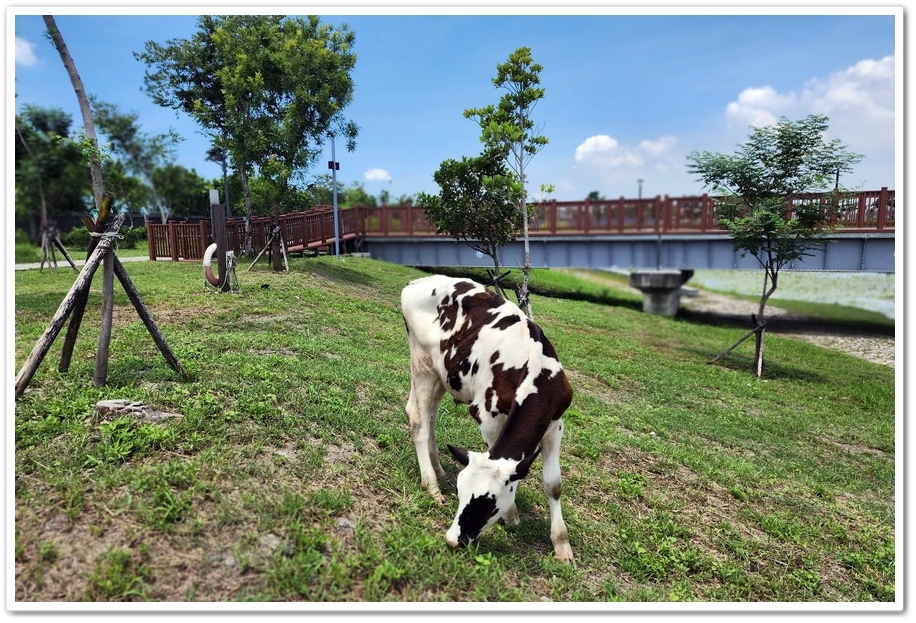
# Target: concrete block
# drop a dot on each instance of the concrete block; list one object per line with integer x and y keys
{"x": 661, "y": 289}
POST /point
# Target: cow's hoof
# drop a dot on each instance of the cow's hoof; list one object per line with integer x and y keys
{"x": 563, "y": 554}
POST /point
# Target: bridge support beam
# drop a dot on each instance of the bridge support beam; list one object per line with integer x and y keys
{"x": 661, "y": 289}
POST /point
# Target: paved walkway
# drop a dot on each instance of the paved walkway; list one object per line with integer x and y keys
{"x": 63, "y": 263}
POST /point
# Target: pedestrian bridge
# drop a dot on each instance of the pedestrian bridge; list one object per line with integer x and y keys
{"x": 658, "y": 233}
{"x": 674, "y": 233}
{"x": 841, "y": 251}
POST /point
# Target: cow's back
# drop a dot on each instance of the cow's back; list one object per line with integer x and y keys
{"x": 475, "y": 340}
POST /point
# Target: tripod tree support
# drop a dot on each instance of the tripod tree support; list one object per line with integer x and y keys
{"x": 79, "y": 291}
{"x": 96, "y": 228}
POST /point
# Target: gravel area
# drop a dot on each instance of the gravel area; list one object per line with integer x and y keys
{"x": 868, "y": 345}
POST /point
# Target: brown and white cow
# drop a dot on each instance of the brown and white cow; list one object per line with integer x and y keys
{"x": 484, "y": 351}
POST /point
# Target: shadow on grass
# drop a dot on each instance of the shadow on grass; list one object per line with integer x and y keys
{"x": 605, "y": 297}
{"x": 789, "y": 324}
{"x": 340, "y": 273}
{"x": 772, "y": 370}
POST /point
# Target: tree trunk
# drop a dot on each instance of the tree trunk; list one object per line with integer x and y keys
{"x": 95, "y": 164}
{"x": 523, "y": 293}
{"x": 769, "y": 287}
{"x": 248, "y": 246}
{"x": 100, "y": 374}
{"x": 277, "y": 262}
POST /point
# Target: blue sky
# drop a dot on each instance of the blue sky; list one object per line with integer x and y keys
{"x": 628, "y": 96}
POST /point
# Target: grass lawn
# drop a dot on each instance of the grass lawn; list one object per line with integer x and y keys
{"x": 291, "y": 477}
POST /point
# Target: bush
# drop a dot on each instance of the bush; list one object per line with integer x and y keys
{"x": 131, "y": 236}
{"x": 78, "y": 237}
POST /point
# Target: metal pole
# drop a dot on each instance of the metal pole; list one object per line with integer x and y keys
{"x": 334, "y": 166}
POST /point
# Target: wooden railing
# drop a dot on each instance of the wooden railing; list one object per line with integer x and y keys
{"x": 856, "y": 212}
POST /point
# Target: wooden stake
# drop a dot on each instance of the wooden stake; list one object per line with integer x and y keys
{"x": 266, "y": 246}
{"x": 100, "y": 375}
{"x": 95, "y": 227}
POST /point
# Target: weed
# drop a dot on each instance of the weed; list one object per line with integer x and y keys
{"x": 118, "y": 576}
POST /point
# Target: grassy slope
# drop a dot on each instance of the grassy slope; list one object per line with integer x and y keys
{"x": 291, "y": 475}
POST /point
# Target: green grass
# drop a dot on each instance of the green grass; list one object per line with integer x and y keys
{"x": 291, "y": 475}
{"x": 28, "y": 253}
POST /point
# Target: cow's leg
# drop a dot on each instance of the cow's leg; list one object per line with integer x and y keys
{"x": 553, "y": 486}
{"x": 422, "y": 408}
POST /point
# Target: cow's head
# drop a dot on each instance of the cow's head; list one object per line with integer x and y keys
{"x": 486, "y": 490}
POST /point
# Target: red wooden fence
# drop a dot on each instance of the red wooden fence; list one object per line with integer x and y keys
{"x": 857, "y": 212}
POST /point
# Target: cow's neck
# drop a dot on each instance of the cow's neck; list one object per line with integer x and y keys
{"x": 525, "y": 427}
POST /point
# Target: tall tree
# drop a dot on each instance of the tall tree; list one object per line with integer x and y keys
{"x": 141, "y": 153}
{"x": 764, "y": 205}
{"x": 90, "y": 142}
{"x": 477, "y": 203}
{"x": 509, "y": 128}
{"x": 269, "y": 90}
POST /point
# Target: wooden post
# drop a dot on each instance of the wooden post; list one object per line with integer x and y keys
{"x": 100, "y": 375}
{"x": 173, "y": 240}
{"x": 882, "y": 208}
{"x": 101, "y": 253}
{"x": 218, "y": 229}
{"x": 150, "y": 241}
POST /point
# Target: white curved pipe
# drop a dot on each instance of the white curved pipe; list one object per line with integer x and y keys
{"x": 208, "y": 271}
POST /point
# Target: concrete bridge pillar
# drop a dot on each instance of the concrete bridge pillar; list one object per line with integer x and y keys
{"x": 661, "y": 289}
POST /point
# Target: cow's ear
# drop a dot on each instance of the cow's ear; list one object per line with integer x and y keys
{"x": 460, "y": 454}
{"x": 521, "y": 470}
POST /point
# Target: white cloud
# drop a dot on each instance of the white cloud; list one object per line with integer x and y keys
{"x": 595, "y": 146}
{"x": 661, "y": 148}
{"x": 612, "y": 168}
{"x": 376, "y": 175}
{"x": 858, "y": 101}
{"x": 603, "y": 151}
{"x": 25, "y": 52}
{"x": 758, "y": 107}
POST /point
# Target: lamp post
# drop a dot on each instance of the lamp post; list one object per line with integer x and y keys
{"x": 335, "y": 166}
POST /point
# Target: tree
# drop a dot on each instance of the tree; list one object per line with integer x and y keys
{"x": 764, "y": 205}
{"x": 90, "y": 143}
{"x": 130, "y": 194}
{"x": 141, "y": 153}
{"x": 51, "y": 178}
{"x": 181, "y": 191}
{"x": 477, "y": 203}
{"x": 509, "y": 129}
{"x": 269, "y": 90}
{"x": 355, "y": 195}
